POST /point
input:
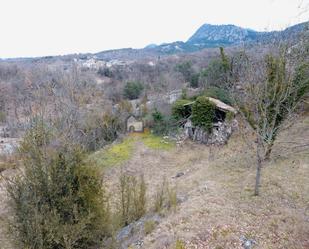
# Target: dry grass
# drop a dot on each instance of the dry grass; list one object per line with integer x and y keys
{"x": 218, "y": 183}
{"x": 218, "y": 205}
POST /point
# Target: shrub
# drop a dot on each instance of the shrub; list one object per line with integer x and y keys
{"x": 160, "y": 197}
{"x": 132, "y": 199}
{"x": 165, "y": 197}
{"x": 180, "y": 111}
{"x": 172, "y": 199}
{"x": 97, "y": 130}
{"x": 161, "y": 124}
{"x": 58, "y": 201}
{"x": 133, "y": 89}
{"x": 203, "y": 113}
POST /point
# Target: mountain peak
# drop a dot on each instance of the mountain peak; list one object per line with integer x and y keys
{"x": 226, "y": 33}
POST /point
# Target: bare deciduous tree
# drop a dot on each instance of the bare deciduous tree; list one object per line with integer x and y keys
{"x": 267, "y": 104}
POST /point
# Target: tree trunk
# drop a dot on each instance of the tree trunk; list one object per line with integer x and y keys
{"x": 268, "y": 151}
{"x": 258, "y": 167}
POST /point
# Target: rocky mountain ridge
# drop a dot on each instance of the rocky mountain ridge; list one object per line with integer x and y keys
{"x": 207, "y": 36}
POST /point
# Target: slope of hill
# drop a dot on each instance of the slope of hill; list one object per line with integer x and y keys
{"x": 216, "y": 207}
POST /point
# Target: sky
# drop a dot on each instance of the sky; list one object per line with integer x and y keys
{"x": 31, "y": 28}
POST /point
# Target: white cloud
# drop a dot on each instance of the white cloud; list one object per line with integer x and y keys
{"x": 51, "y": 27}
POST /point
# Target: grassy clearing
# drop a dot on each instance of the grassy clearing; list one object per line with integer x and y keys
{"x": 156, "y": 142}
{"x": 114, "y": 154}
{"x": 119, "y": 153}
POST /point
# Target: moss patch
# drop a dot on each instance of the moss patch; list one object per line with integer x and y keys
{"x": 114, "y": 154}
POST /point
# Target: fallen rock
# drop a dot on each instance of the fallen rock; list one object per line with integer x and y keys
{"x": 247, "y": 243}
{"x": 179, "y": 175}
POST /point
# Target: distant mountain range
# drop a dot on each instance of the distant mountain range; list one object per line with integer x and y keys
{"x": 207, "y": 36}
{"x": 210, "y": 36}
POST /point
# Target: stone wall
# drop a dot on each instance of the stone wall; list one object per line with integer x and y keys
{"x": 220, "y": 134}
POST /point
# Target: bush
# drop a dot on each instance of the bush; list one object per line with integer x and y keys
{"x": 58, "y": 201}
{"x": 160, "y": 197}
{"x": 161, "y": 125}
{"x": 97, "y": 130}
{"x": 180, "y": 111}
{"x": 203, "y": 113}
{"x": 132, "y": 199}
{"x": 165, "y": 197}
{"x": 133, "y": 89}
{"x": 218, "y": 93}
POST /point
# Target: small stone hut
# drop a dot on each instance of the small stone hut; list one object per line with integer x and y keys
{"x": 221, "y": 131}
{"x": 134, "y": 124}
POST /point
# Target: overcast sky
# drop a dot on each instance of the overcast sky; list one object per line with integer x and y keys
{"x": 53, "y": 27}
